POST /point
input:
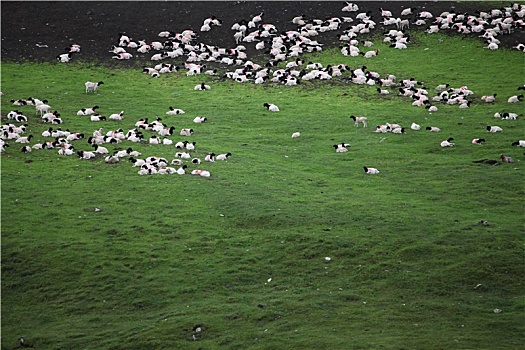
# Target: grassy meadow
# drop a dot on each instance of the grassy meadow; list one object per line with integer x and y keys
{"x": 242, "y": 254}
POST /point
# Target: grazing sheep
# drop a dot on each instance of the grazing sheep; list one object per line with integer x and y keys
{"x": 477, "y": 141}
{"x": 92, "y": 87}
{"x": 358, "y": 120}
{"x": 494, "y": 128}
{"x": 296, "y": 135}
{"x": 515, "y": 98}
{"x": 447, "y": 142}
{"x": 175, "y": 111}
{"x": 520, "y": 143}
{"x": 506, "y": 159}
{"x": 433, "y": 129}
{"x": 370, "y": 170}
{"x": 271, "y": 107}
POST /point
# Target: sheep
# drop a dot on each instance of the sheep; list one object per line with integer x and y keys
{"x": 200, "y": 172}
{"x": 447, "y": 142}
{"x": 87, "y": 111}
{"x": 186, "y": 132}
{"x": 66, "y": 151}
{"x": 97, "y": 117}
{"x": 506, "y": 159}
{"x": 24, "y": 139}
{"x": 111, "y": 159}
{"x": 154, "y": 140}
{"x": 65, "y": 57}
{"x": 519, "y": 143}
{"x": 26, "y": 149}
{"x": 489, "y": 98}
{"x": 415, "y": 126}
{"x": 166, "y": 141}
{"x": 196, "y": 161}
{"x": 42, "y": 108}
{"x": 92, "y": 86}
{"x": 174, "y": 111}
{"x": 183, "y": 155}
{"x": 515, "y": 98}
{"x": 182, "y": 170}
{"x": 137, "y": 162}
{"x": 478, "y": 141}
{"x": 86, "y": 154}
{"x": 433, "y": 129}
{"x": 210, "y": 157}
{"x": 370, "y": 170}
{"x": 117, "y": 116}
{"x": 398, "y": 130}
{"x": 383, "y": 92}
{"x": 494, "y": 128}
{"x": 358, "y": 120}
{"x": 296, "y": 135}
{"x": 382, "y": 128}
{"x": 202, "y": 86}
{"x": 271, "y": 107}
{"x": 341, "y": 147}
{"x": 99, "y": 149}
{"x": 509, "y": 116}
{"x": 223, "y": 156}
{"x": 200, "y": 119}
{"x": 190, "y": 146}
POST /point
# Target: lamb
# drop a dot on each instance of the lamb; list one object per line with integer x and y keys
{"x": 97, "y": 117}
{"x": 175, "y": 111}
{"x": 87, "y": 111}
{"x": 92, "y": 86}
{"x": 154, "y": 140}
{"x": 515, "y": 98}
{"x": 182, "y": 170}
{"x": 24, "y": 139}
{"x": 202, "y": 86}
{"x": 415, "y": 126}
{"x": 25, "y": 149}
{"x": 358, "y": 120}
{"x": 117, "y": 116}
{"x": 200, "y": 119}
{"x": 183, "y": 155}
{"x": 519, "y": 143}
{"x": 210, "y": 157}
{"x": 370, "y": 170}
{"x": 271, "y": 107}
{"x": 433, "y": 129}
{"x": 494, "y": 128}
{"x": 223, "y": 156}
{"x": 111, "y": 159}
{"x": 99, "y": 149}
{"x": 186, "y": 132}
{"x": 341, "y": 147}
{"x": 506, "y": 159}
{"x": 447, "y": 142}
{"x": 65, "y": 57}
{"x": 489, "y": 98}
{"x": 200, "y": 172}
{"x": 86, "y": 154}
{"x": 477, "y": 141}
{"x": 296, "y": 135}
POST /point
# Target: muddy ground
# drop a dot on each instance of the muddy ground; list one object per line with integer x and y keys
{"x": 40, "y": 30}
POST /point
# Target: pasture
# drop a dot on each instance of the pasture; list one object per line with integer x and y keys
{"x": 288, "y": 244}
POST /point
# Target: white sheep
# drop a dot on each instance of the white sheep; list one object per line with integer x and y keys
{"x": 92, "y": 86}
{"x": 370, "y": 170}
{"x": 271, "y": 107}
{"x": 186, "y": 132}
{"x": 515, "y": 98}
{"x": 223, "y": 156}
{"x": 519, "y": 143}
{"x": 494, "y": 128}
{"x": 174, "y": 111}
{"x": 447, "y": 142}
{"x": 415, "y": 126}
{"x": 358, "y": 120}
{"x": 296, "y": 135}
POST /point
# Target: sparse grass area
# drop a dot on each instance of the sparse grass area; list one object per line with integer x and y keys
{"x": 406, "y": 247}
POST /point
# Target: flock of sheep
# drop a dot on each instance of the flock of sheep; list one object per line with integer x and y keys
{"x": 284, "y": 66}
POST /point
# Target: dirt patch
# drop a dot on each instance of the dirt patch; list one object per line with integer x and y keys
{"x": 40, "y": 30}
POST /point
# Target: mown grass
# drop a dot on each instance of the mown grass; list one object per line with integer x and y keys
{"x": 167, "y": 253}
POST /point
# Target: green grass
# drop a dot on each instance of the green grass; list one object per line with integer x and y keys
{"x": 158, "y": 258}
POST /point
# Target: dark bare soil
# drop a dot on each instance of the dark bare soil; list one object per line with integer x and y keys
{"x": 38, "y": 31}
